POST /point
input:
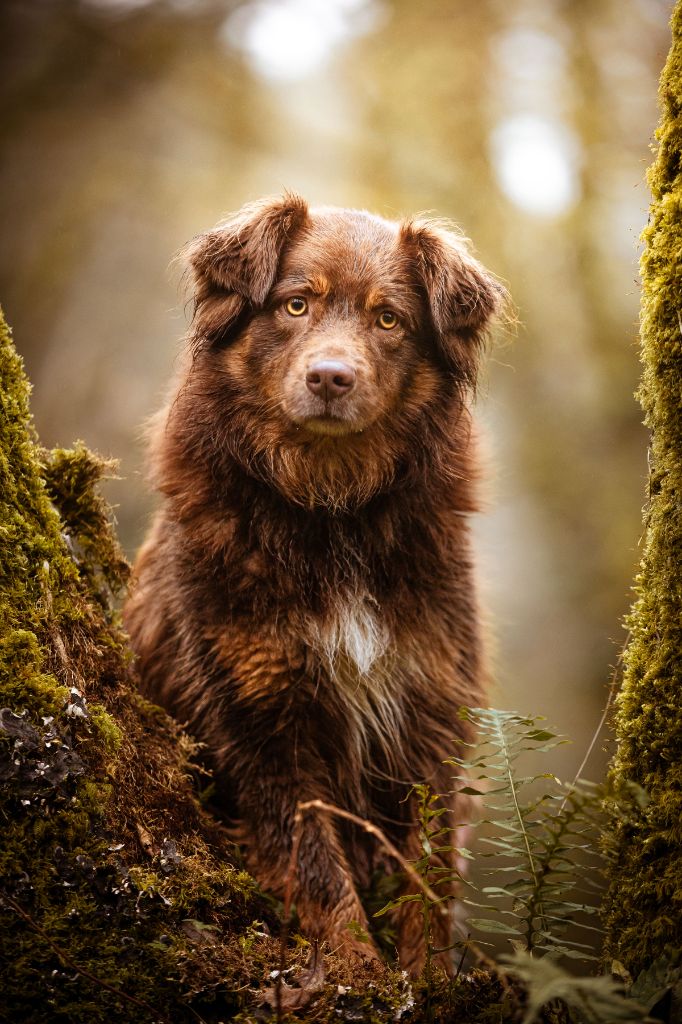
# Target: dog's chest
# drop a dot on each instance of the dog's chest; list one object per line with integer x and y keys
{"x": 352, "y": 632}
{"x": 358, "y": 663}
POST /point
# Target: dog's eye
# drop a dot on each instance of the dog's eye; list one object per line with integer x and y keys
{"x": 388, "y": 320}
{"x": 296, "y": 306}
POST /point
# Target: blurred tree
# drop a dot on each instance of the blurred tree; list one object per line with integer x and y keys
{"x": 644, "y": 903}
{"x": 426, "y": 114}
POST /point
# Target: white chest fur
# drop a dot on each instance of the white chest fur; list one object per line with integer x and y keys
{"x": 355, "y": 648}
{"x": 353, "y": 632}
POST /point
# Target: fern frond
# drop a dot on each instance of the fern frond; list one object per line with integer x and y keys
{"x": 548, "y": 836}
{"x": 598, "y": 1000}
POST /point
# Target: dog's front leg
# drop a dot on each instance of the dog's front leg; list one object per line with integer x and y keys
{"x": 272, "y": 762}
{"x": 271, "y": 786}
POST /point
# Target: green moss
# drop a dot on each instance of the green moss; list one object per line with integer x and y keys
{"x": 643, "y": 909}
{"x": 104, "y": 852}
{"x": 71, "y": 477}
{"x": 108, "y": 733}
{"x": 33, "y": 562}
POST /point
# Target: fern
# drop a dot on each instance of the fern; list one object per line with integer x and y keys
{"x": 547, "y": 833}
{"x": 592, "y": 1000}
{"x": 550, "y": 835}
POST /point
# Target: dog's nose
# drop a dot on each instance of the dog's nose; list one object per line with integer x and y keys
{"x": 330, "y": 379}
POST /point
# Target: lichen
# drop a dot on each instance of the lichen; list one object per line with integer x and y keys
{"x": 643, "y": 908}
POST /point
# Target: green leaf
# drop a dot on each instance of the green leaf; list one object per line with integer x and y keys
{"x": 597, "y": 1000}
{"x": 652, "y": 983}
{"x": 489, "y": 926}
{"x": 410, "y": 898}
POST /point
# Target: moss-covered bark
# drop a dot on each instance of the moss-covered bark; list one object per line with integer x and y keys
{"x": 118, "y": 894}
{"x": 644, "y": 905}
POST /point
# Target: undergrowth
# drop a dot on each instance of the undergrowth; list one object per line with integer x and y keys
{"x": 541, "y": 865}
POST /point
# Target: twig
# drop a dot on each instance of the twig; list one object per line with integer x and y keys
{"x": 373, "y": 830}
{"x": 68, "y": 962}
{"x": 368, "y": 826}
{"x": 461, "y": 959}
{"x": 381, "y": 837}
{"x": 602, "y": 721}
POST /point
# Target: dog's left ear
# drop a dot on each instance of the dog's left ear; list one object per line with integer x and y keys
{"x": 235, "y": 265}
{"x": 463, "y": 297}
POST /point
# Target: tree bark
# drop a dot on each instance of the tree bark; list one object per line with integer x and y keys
{"x": 643, "y": 907}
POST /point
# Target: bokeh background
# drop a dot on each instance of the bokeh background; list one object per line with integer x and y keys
{"x": 128, "y": 126}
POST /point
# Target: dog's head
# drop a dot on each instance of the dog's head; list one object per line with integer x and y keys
{"x": 333, "y": 341}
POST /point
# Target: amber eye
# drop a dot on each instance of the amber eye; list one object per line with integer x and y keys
{"x": 388, "y": 320}
{"x": 296, "y": 306}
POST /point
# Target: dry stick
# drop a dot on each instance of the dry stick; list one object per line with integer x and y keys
{"x": 320, "y": 805}
{"x": 68, "y": 962}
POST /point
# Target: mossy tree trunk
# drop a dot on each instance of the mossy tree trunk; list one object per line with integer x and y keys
{"x": 643, "y": 908}
{"x": 118, "y": 895}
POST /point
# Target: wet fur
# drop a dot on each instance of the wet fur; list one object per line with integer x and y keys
{"x": 305, "y": 599}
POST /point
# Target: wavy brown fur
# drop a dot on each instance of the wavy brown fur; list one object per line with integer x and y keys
{"x": 305, "y": 599}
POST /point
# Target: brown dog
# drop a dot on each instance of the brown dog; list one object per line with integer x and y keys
{"x": 305, "y": 598}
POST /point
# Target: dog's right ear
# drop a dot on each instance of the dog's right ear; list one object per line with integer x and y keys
{"x": 235, "y": 265}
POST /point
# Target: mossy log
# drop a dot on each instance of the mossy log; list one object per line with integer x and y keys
{"x": 643, "y": 908}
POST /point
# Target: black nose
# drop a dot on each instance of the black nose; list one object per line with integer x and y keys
{"x": 330, "y": 379}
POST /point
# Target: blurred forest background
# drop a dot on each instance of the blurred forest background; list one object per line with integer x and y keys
{"x": 128, "y": 126}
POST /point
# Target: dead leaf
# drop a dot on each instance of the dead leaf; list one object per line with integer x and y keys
{"x": 297, "y": 995}
{"x": 146, "y": 840}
